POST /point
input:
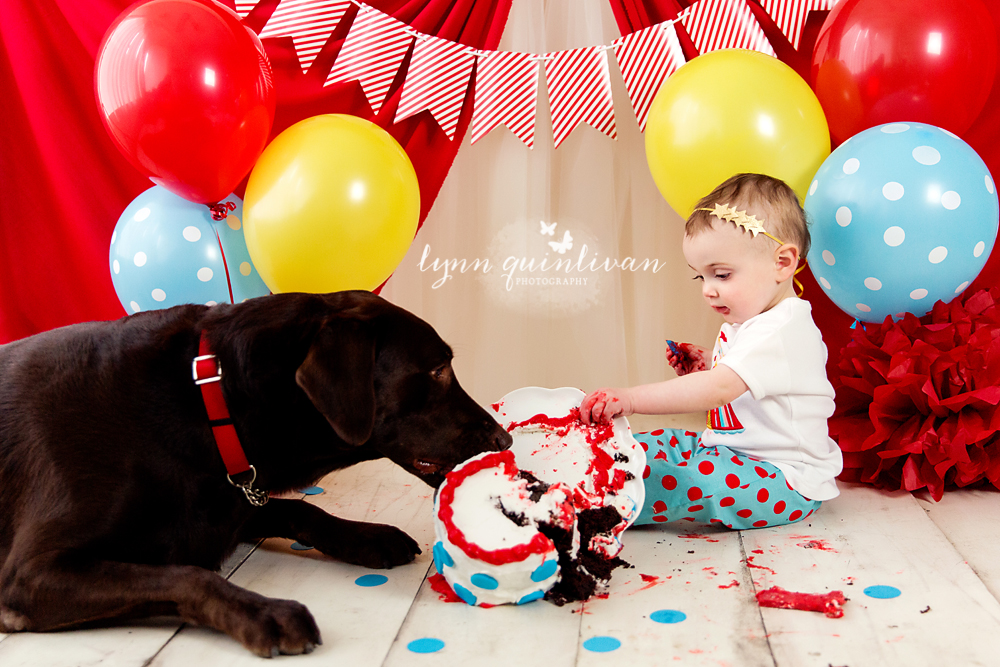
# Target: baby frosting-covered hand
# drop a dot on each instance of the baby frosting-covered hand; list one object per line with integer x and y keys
{"x": 686, "y": 358}
{"x": 605, "y": 404}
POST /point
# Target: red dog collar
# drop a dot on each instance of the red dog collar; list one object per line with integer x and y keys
{"x": 207, "y": 373}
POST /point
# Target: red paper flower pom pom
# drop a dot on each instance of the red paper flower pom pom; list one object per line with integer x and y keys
{"x": 917, "y": 399}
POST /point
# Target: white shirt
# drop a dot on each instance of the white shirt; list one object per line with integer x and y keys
{"x": 781, "y": 357}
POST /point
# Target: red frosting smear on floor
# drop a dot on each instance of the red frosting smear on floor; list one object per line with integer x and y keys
{"x": 830, "y": 603}
{"x": 698, "y": 536}
{"x": 759, "y": 567}
{"x": 816, "y": 544}
{"x": 441, "y": 587}
{"x": 649, "y": 577}
{"x": 730, "y": 584}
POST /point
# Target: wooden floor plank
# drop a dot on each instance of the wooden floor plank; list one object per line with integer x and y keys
{"x": 358, "y": 623}
{"x": 538, "y": 633}
{"x": 865, "y": 538}
{"x": 111, "y": 647}
{"x": 970, "y": 519}
{"x": 679, "y": 567}
{"x": 697, "y": 571}
{"x": 945, "y": 614}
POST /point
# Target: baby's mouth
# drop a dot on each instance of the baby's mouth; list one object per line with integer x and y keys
{"x": 721, "y": 309}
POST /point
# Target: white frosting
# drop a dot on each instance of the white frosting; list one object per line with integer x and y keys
{"x": 477, "y": 508}
{"x": 563, "y": 462}
{"x": 566, "y": 459}
{"x": 477, "y": 512}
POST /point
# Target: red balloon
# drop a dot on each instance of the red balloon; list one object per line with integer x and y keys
{"x": 984, "y": 137}
{"x": 879, "y": 61}
{"x": 185, "y": 91}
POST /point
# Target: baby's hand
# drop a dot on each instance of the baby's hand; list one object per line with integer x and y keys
{"x": 604, "y": 405}
{"x": 686, "y": 358}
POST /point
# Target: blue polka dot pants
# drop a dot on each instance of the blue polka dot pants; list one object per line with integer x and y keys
{"x": 685, "y": 481}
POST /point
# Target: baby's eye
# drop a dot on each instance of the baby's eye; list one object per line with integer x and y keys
{"x": 722, "y": 276}
{"x": 698, "y": 278}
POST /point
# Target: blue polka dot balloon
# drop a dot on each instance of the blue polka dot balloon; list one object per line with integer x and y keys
{"x": 902, "y": 215}
{"x": 166, "y": 251}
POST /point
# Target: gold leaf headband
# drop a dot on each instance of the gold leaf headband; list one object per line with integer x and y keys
{"x": 751, "y": 224}
{"x": 740, "y": 218}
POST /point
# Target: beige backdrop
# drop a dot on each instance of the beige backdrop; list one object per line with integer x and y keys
{"x": 605, "y": 327}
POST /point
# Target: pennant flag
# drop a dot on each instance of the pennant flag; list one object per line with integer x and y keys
{"x": 724, "y": 24}
{"x": 243, "y": 7}
{"x": 579, "y": 86}
{"x": 506, "y": 94}
{"x": 646, "y": 58}
{"x": 437, "y": 80}
{"x": 309, "y": 23}
{"x": 790, "y": 15}
{"x": 372, "y": 53}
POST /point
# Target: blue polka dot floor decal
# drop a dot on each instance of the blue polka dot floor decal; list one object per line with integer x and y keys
{"x": 667, "y": 616}
{"x": 601, "y": 644}
{"x": 311, "y": 490}
{"x": 882, "y": 592}
{"x": 369, "y": 580}
{"x": 299, "y": 546}
{"x": 425, "y": 645}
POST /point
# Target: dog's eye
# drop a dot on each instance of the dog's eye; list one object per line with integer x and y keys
{"x": 440, "y": 373}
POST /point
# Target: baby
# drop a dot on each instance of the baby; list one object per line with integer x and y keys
{"x": 765, "y": 457}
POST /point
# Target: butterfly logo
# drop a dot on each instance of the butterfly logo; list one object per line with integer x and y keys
{"x": 562, "y": 246}
{"x": 549, "y": 230}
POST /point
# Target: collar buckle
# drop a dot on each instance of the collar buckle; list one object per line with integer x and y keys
{"x": 203, "y": 372}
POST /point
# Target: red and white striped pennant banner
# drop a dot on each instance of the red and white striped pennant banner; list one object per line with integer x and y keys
{"x": 791, "y": 15}
{"x": 243, "y": 7}
{"x": 724, "y": 24}
{"x": 506, "y": 94}
{"x": 437, "y": 80}
{"x": 579, "y": 86}
{"x": 372, "y": 53}
{"x": 309, "y": 23}
{"x": 646, "y": 58}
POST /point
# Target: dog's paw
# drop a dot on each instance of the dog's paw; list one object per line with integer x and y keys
{"x": 278, "y": 627}
{"x": 373, "y": 545}
{"x": 12, "y": 621}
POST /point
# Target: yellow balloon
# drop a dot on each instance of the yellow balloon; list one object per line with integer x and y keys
{"x": 732, "y": 111}
{"x": 332, "y": 204}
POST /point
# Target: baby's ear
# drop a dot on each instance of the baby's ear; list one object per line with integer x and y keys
{"x": 786, "y": 261}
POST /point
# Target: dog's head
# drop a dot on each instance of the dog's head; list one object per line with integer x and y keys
{"x": 383, "y": 378}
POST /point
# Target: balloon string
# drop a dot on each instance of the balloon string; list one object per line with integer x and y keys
{"x": 799, "y": 288}
{"x": 219, "y": 211}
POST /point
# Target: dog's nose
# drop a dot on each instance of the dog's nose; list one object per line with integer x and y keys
{"x": 502, "y": 440}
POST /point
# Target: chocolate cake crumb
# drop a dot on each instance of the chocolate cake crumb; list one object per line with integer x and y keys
{"x": 516, "y": 517}
{"x": 621, "y": 458}
{"x": 536, "y": 487}
{"x": 579, "y": 576}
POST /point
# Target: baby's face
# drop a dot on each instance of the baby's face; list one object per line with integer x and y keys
{"x": 739, "y": 279}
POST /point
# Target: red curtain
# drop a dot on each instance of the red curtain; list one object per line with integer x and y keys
{"x": 63, "y": 184}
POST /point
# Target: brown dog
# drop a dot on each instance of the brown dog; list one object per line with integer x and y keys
{"x": 114, "y": 498}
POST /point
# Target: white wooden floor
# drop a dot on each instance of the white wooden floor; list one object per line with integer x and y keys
{"x": 940, "y": 557}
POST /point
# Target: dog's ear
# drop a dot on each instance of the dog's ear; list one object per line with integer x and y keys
{"x": 338, "y": 377}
